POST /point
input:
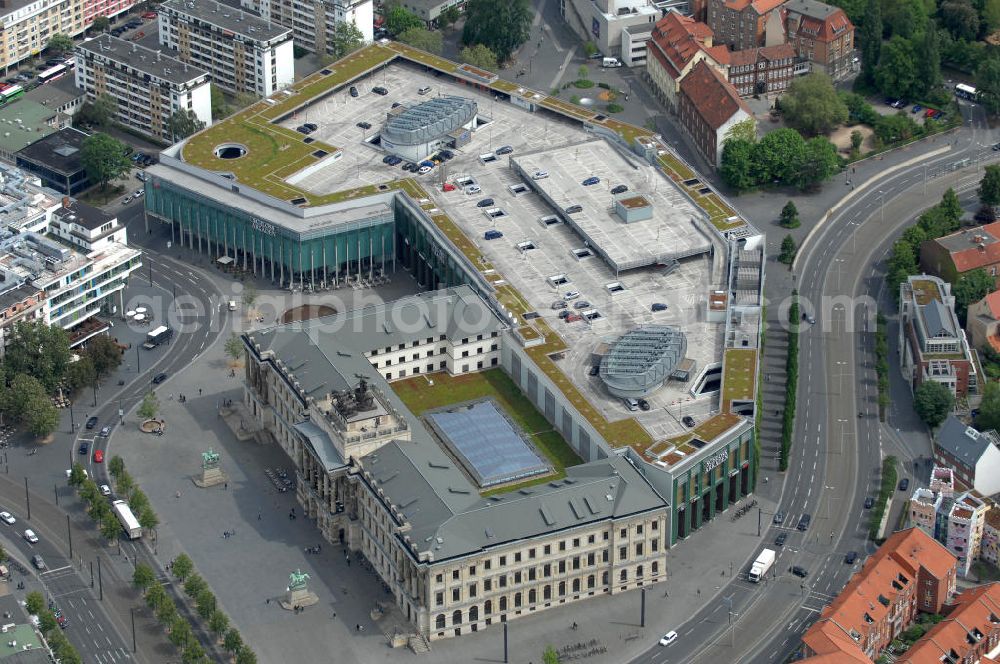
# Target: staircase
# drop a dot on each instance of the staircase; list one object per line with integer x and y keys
{"x": 419, "y": 644}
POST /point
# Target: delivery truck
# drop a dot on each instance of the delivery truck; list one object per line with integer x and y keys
{"x": 761, "y": 566}
{"x": 157, "y": 337}
{"x": 129, "y": 523}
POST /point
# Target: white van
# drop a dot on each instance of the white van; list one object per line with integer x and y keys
{"x": 424, "y": 90}
{"x": 611, "y": 62}
{"x": 232, "y": 305}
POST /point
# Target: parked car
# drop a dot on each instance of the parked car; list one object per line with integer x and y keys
{"x": 571, "y": 295}
{"x": 311, "y": 126}
{"x": 379, "y": 90}
{"x": 917, "y": 108}
{"x": 149, "y": 16}
{"x": 643, "y": 404}
{"x": 582, "y": 304}
{"x": 574, "y": 209}
{"x": 539, "y": 175}
{"x": 851, "y": 557}
{"x": 302, "y": 129}
{"x": 364, "y": 125}
{"x": 424, "y": 170}
{"x": 91, "y": 422}
{"x": 84, "y": 447}
{"x": 800, "y": 571}
{"x": 572, "y": 318}
{"x": 631, "y": 404}
{"x": 486, "y": 202}
{"x": 559, "y": 304}
{"x": 594, "y": 370}
{"x": 592, "y": 180}
{"x": 504, "y": 149}
{"x": 620, "y": 189}
{"x": 353, "y": 91}
{"x": 127, "y": 200}
{"x": 7, "y": 518}
{"x": 565, "y": 313}
{"x": 659, "y": 306}
{"x": 904, "y": 484}
{"x": 472, "y": 189}
{"x": 688, "y": 421}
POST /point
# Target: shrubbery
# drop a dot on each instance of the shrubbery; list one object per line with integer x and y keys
{"x": 889, "y": 475}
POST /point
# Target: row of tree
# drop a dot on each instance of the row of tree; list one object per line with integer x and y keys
{"x": 125, "y": 487}
{"x": 886, "y": 488}
{"x": 34, "y": 603}
{"x": 782, "y": 157}
{"x": 882, "y": 364}
{"x": 791, "y": 383}
{"x": 181, "y": 633}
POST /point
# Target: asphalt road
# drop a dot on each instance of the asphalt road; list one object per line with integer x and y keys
{"x": 836, "y": 455}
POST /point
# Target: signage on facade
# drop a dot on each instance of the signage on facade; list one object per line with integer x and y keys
{"x": 262, "y": 226}
{"x": 714, "y": 461}
{"x": 595, "y": 28}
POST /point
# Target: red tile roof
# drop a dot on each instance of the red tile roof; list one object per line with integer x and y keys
{"x": 993, "y": 302}
{"x": 760, "y": 6}
{"x": 715, "y": 99}
{"x": 677, "y": 40}
{"x": 973, "y": 616}
{"x": 825, "y": 24}
{"x": 751, "y": 56}
{"x": 974, "y": 257}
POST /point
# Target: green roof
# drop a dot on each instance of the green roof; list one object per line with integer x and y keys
{"x": 22, "y": 123}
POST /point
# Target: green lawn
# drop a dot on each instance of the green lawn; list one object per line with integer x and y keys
{"x": 419, "y": 396}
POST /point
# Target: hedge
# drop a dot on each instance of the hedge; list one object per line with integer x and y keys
{"x": 889, "y": 476}
{"x": 791, "y": 383}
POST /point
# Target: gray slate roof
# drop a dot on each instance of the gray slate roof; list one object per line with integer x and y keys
{"x": 937, "y": 320}
{"x": 964, "y": 442}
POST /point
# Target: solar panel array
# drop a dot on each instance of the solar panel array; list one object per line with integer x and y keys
{"x": 487, "y": 444}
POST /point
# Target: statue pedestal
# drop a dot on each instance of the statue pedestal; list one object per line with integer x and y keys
{"x": 210, "y": 477}
{"x": 300, "y": 597}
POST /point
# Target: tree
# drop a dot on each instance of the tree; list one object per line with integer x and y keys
{"x": 897, "y": 71}
{"x": 81, "y": 374}
{"x": 193, "y": 653}
{"x": 116, "y": 466}
{"x": 971, "y": 287}
{"x": 480, "y": 56}
{"x": 857, "y": 138}
{"x": 346, "y": 39}
{"x": 950, "y": 208}
{"x": 218, "y": 622}
{"x": 99, "y": 510}
{"x": 25, "y": 394}
{"x": 933, "y": 402}
{"x": 182, "y": 567}
{"x": 960, "y": 18}
{"x": 502, "y": 25}
{"x": 206, "y": 603}
{"x": 149, "y": 407}
{"x": 220, "y": 108}
{"x": 245, "y": 99}
{"x": 550, "y": 656}
{"x": 99, "y": 113}
{"x": 143, "y": 576}
{"x": 745, "y": 130}
{"x": 788, "y": 250}
{"x": 194, "y": 585}
{"x": 166, "y": 613}
{"x": 988, "y": 84}
{"x": 399, "y": 20}
{"x": 232, "y": 641}
{"x": 871, "y": 40}
{"x": 929, "y": 63}
{"x": 906, "y": 18}
{"x": 234, "y": 347}
{"x": 76, "y": 476}
{"x": 989, "y": 408}
{"x": 43, "y": 418}
{"x": 183, "y": 122}
{"x": 818, "y": 161}
{"x": 736, "y": 165}
{"x": 59, "y": 43}
{"x": 101, "y": 24}
{"x": 246, "y": 656}
{"x": 34, "y": 602}
{"x": 423, "y": 39}
{"x": 105, "y": 355}
{"x": 148, "y": 518}
{"x": 156, "y": 596}
{"x": 813, "y": 106}
{"x": 989, "y": 186}
{"x": 180, "y": 632}
{"x": 3, "y": 555}
{"x": 990, "y": 15}
{"x": 583, "y": 71}
{"x": 47, "y": 621}
{"x": 790, "y": 216}
{"x": 138, "y": 500}
{"x": 449, "y": 16}
{"x": 110, "y": 528}
{"x": 104, "y": 159}
{"x": 38, "y": 350}
{"x": 125, "y": 484}
{"x": 777, "y": 156}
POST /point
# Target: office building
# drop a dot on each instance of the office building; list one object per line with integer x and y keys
{"x": 24, "y": 122}
{"x": 603, "y": 22}
{"x": 148, "y": 86}
{"x": 313, "y": 22}
{"x": 244, "y": 53}
{"x": 55, "y": 159}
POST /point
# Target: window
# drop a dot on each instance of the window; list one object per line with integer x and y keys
{"x": 532, "y": 596}
{"x": 624, "y": 575}
{"x": 623, "y": 553}
{"x": 590, "y": 581}
{"x": 531, "y": 574}
{"x": 655, "y": 545}
{"x": 517, "y": 600}
{"x": 591, "y": 539}
{"x": 517, "y": 557}
{"x": 562, "y": 588}
{"x": 656, "y": 568}
{"x": 531, "y": 553}
{"x": 439, "y": 621}
{"x": 576, "y": 562}
{"x": 548, "y": 549}
{"x": 439, "y": 578}
{"x": 623, "y": 533}
{"x": 576, "y": 585}
{"x": 547, "y": 570}
{"x": 638, "y": 549}
{"x": 454, "y": 575}
{"x": 547, "y": 592}
{"x": 487, "y": 563}
{"x": 638, "y": 529}
{"x": 562, "y": 545}
{"x": 503, "y": 561}
{"x": 456, "y": 617}
{"x": 488, "y": 607}
{"x": 438, "y": 599}
{"x": 456, "y": 594}
{"x": 472, "y": 570}
{"x": 472, "y": 590}
{"x": 517, "y": 577}
{"x": 503, "y": 580}
{"x": 576, "y": 542}
{"x": 590, "y": 559}
{"x": 638, "y": 571}
{"x": 562, "y": 566}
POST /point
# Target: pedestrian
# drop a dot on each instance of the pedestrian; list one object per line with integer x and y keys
{"x": 267, "y": 601}
{"x": 258, "y": 516}
{"x": 226, "y": 486}
{"x": 199, "y": 391}
{"x": 699, "y": 591}
{"x": 334, "y": 615}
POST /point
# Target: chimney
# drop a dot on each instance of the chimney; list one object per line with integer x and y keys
{"x": 66, "y": 202}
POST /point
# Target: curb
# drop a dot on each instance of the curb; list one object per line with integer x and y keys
{"x": 858, "y": 190}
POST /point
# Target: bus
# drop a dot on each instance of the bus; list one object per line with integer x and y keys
{"x": 11, "y": 93}
{"x": 125, "y": 517}
{"x": 157, "y": 337}
{"x": 52, "y": 73}
{"x": 965, "y": 91}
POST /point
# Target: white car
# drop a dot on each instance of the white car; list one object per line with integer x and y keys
{"x": 31, "y": 536}
{"x": 472, "y": 189}
{"x": 424, "y": 169}
{"x": 668, "y": 638}
{"x": 7, "y": 518}
{"x": 105, "y": 491}
{"x": 539, "y": 175}
{"x": 126, "y": 200}
{"x": 571, "y": 295}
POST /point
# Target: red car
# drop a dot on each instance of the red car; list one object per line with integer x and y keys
{"x": 98, "y": 456}
{"x": 447, "y": 186}
{"x": 149, "y": 16}
{"x": 930, "y": 113}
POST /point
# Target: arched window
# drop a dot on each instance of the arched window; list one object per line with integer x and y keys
{"x": 576, "y": 585}
{"x": 503, "y": 604}
{"x": 547, "y": 592}
{"x": 562, "y": 587}
{"x": 439, "y": 622}
{"x": 532, "y": 596}
{"x": 624, "y": 575}
{"x": 456, "y": 617}
{"x": 488, "y": 607}
{"x": 474, "y": 614}
{"x": 517, "y": 600}
{"x": 638, "y": 571}
{"x": 656, "y": 568}
{"x": 604, "y": 578}
{"x": 590, "y": 581}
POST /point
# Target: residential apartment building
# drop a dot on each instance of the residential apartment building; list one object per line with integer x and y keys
{"x": 26, "y": 27}
{"x": 983, "y": 322}
{"x": 244, "y": 53}
{"x": 766, "y": 71}
{"x": 989, "y": 551}
{"x": 970, "y": 631}
{"x": 313, "y": 21}
{"x": 951, "y": 256}
{"x": 708, "y": 108}
{"x": 963, "y": 529}
{"x": 378, "y": 482}
{"x": 973, "y": 456}
{"x": 932, "y": 343}
{"x": 676, "y": 44}
{"x": 909, "y": 573}
{"x": 924, "y": 506}
{"x": 148, "y": 86}
{"x": 822, "y": 35}
{"x": 746, "y": 24}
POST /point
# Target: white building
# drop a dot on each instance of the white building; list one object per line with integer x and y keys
{"x": 244, "y": 52}
{"x": 973, "y": 455}
{"x": 148, "y": 86}
{"x": 313, "y": 21}
{"x": 602, "y": 21}
{"x": 963, "y": 529}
